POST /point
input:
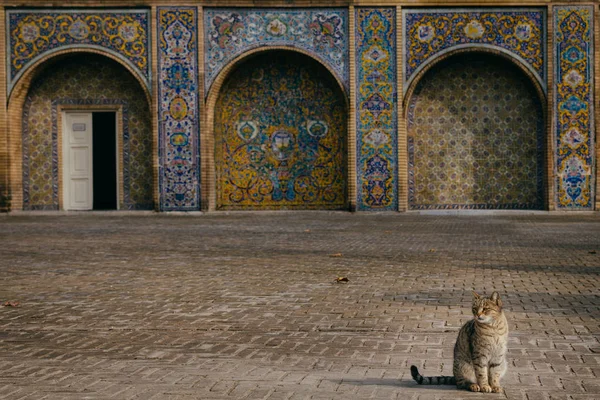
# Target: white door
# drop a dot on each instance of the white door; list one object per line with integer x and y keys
{"x": 77, "y": 161}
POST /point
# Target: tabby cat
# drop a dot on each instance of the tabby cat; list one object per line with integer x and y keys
{"x": 480, "y": 350}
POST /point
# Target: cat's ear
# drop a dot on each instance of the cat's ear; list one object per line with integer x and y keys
{"x": 495, "y": 297}
{"x": 476, "y": 296}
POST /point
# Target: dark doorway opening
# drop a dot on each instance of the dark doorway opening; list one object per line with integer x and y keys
{"x": 105, "y": 160}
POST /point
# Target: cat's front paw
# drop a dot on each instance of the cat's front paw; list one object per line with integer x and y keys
{"x": 474, "y": 387}
{"x": 486, "y": 388}
{"x": 497, "y": 389}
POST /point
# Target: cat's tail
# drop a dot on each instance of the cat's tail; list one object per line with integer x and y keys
{"x": 431, "y": 380}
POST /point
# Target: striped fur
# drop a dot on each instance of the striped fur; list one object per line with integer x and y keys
{"x": 431, "y": 380}
{"x": 480, "y": 350}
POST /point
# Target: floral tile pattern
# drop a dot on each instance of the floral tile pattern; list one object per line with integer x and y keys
{"x": 376, "y": 102}
{"x": 32, "y": 33}
{"x": 475, "y": 137}
{"x": 229, "y": 32}
{"x": 430, "y": 32}
{"x": 280, "y": 136}
{"x": 574, "y": 103}
{"x": 84, "y": 80}
{"x": 179, "y": 136}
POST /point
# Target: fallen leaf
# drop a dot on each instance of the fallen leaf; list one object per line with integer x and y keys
{"x": 593, "y": 252}
{"x": 335, "y": 255}
{"x": 341, "y": 279}
{"x": 307, "y": 230}
{"x": 11, "y": 304}
{"x": 432, "y": 250}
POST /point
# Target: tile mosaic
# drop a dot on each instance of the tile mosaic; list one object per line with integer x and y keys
{"x": 280, "y": 136}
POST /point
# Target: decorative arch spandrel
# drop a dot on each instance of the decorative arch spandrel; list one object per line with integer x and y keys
{"x": 230, "y": 32}
{"x": 430, "y": 33}
{"x": 34, "y": 34}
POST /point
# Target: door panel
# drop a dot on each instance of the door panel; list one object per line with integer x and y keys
{"x": 78, "y": 161}
{"x": 80, "y": 193}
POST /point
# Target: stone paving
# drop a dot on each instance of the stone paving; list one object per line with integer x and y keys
{"x": 244, "y": 305}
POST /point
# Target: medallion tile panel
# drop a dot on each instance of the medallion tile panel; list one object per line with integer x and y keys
{"x": 179, "y": 139}
{"x": 280, "y": 136}
{"x": 574, "y": 107}
{"x": 428, "y": 33}
{"x": 229, "y": 32}
{"x": 475, "y": 137}
{"x": 84, "y": 81}
{"x": 376, "y": 109}
{"x": 33, "y": 33}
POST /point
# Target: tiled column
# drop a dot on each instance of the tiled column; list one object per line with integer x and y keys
{"x": 178, "y": 109}
{"x": 573, "y": 27}
{"x": 376, "y": 108}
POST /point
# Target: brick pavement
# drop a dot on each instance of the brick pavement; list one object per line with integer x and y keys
{"x": 243, "y": 306}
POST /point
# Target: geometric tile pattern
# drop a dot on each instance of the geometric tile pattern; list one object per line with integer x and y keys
{"x": 475, "y": 137}
{"x": 280, "y": 136}
{"x": 229, "y": 32}
{"x": 520, "y": 32}
{"x": 34, "y": 33}
{"x": 179, "y": 138}
{"x": 574, "y": 106}
{"x": 376, "y": 109}
{"x": 85, "y": 80}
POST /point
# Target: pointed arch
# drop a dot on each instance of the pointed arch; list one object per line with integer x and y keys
{"x": 208, "y": 131}
{"x": 414, "y": 80}
{"x": 17, "y": 101}
{"x": 420, "y": 148}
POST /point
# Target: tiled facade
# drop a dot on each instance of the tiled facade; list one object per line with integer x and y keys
{"x": 394, "y": 106}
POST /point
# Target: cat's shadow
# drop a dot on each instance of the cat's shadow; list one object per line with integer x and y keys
{"x": 397, "y": 383}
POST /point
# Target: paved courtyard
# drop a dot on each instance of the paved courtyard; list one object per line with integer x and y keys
{"x": 244, "y": 305}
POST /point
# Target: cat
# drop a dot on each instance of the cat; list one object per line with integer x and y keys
{"x": 480, "y": 350}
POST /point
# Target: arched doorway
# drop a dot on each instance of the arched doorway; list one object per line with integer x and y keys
{"x": 71, "y": 94}
{"x": 280, "y": 135}
{"x": 475, "y": 136}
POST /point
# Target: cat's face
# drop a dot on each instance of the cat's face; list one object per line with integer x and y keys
{"x": 486, "y": 310}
